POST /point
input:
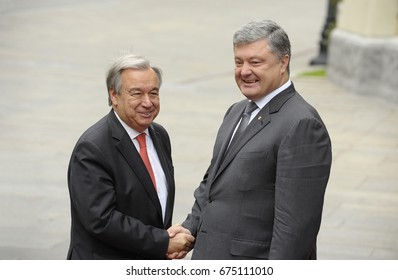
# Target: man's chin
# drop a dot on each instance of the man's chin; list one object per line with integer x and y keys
{"x": 252, "y": 95}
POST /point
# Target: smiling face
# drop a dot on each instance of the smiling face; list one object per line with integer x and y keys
{"x": 258, "y": 71}
{"x": 138, "y": 102}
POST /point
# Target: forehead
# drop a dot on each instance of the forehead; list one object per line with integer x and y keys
{"x": 258, "y": 48}
{"x": 137, "y": 77}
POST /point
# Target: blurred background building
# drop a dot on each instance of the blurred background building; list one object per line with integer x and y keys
{"x": 363, "y": 50}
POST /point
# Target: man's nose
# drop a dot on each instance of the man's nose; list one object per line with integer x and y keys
{"x": 146, "y": 100}
{"x": 246, "y": 69}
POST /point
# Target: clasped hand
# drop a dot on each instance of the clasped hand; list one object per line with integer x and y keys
{"x": 181, "y": 242}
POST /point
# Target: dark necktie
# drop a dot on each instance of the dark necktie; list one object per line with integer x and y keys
{"x": 250, "y": 107}
{"x": 144, "y": 155}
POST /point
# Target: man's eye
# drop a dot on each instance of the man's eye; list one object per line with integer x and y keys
{"x": 154, "y": 94}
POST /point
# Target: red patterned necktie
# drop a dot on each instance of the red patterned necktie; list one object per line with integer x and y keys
{"x": 144, "y": 155}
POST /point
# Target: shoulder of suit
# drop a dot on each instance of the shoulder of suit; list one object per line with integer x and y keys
{"x": 96, "y": 128}
{"x": 158, "y": 127}
{"x": 240, "y": 105}
{"x": 279, "y": 100}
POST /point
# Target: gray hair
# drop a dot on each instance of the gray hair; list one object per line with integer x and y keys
{"x": 113, "y": 80}
{"x": 276, "y": 37}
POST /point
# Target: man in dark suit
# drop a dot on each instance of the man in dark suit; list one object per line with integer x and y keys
{"x": 262, "y": 196}
{"x": 120, "y": 176}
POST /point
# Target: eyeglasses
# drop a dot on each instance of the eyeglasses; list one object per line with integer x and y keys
{"x": 139, "y": 95}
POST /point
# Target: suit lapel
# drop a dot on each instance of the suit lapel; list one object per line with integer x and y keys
{"x": 261, "y": 120}
{"x": 162, "y": 157}
{"x": 225, "y": 134}
{"x": 126, "y": 147}
{"x": 255, "y": 126}
{"x": 157, "y": 142}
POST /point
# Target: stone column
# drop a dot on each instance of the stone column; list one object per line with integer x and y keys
{"x": 363, "y": 50}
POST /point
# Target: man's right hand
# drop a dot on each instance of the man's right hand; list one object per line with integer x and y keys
{"x": 181, "y": 242}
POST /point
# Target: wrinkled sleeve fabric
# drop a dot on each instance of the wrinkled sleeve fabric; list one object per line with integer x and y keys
{"x": 192, "y": 222}
{"x": 193, "y": 219}
{"x": 303, "y": 168}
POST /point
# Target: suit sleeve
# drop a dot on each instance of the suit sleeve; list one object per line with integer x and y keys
{"x": 303, "y": 167}
{"x": 192, "y": 222}
{"x": 94, "y": 200}
{"x": 193, "y": 219}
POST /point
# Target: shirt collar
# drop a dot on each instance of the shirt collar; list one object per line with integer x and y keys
{"x": 130, "y": 131}
{"x": 264, "y": 101}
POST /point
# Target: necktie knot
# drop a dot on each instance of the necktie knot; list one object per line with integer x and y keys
{"x": 141, "y": 140}
{"x": 250, "y": 107}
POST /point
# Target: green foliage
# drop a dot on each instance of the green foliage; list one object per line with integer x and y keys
{"x": 315, "y": 73}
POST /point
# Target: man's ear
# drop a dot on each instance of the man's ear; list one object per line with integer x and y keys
{"x": 112, "y": 97}
{"x": 285, "y": 62}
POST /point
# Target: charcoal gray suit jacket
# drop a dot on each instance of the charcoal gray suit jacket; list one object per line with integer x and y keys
{"x": 116, "y": 213}
{"x": 263, "y": 198}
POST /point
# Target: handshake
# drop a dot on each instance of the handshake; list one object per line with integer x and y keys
{"x": 181, "y": 242}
